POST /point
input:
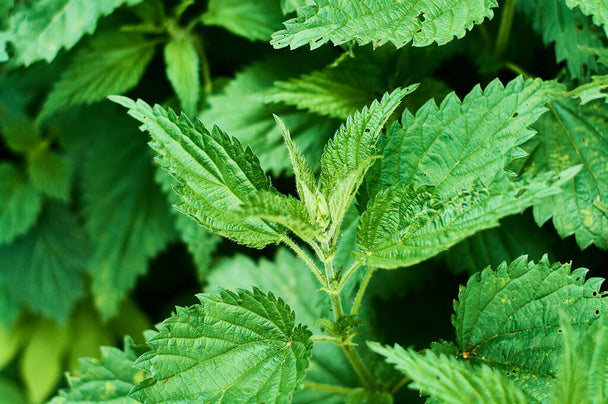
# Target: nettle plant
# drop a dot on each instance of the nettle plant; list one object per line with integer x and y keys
{"x": 391, "y": 189}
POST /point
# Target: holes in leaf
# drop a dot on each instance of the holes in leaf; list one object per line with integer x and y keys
{"x": 420, "y": 17}
{"x": 520, "y": 193}
{"x": 594, "y": 293}
{"x": 560, "y": 330}
{"x": 366, "y": 130}
{"x": 597, "y": 312}
{"x": 515, "y": 115}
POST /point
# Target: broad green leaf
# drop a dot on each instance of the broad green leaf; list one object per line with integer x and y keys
{"x": 421, "y": 22}
{"x": 11, "y": 339}
{"x": 51, "y": 173}
{"x": 240, "y": 110}
{"x": 252, "y": 19}
{"x": 41, "y": 363}
{"x": 460, "y": 142}
{"x": 19, "y": 132}
{"x": 403, "y": 226}
{"x": 201, "y": 242}
{"x": 571, "y": 134}
{"x": 183, "y": 66}
{"x": 508, "y": 318}
{"x": 250, "y": 336}
{"x": 582, "y": 374}
{"x": 285, "y": 210}
{"x": 347, "y": 157}
{"x": 43, "y": 269}
{"x": 292, "y": 5}
{"x": 516, "y": 236}
{"x": 597, "y": 9}
{"x": 287, "y": 276}
{"x": 11, "y": 392}
{"x": 39, "y": 30}
{"x": 111, "y": 63}
{"x": 107, "y": 380}
{"x": 216, "y": 173}
{"x": 128, "y": 218}
{"x": 20, "y": 203}
{"x": 452, "y": 381}
{"x": 362, "y": 396}
{"x": 568, "y": 30}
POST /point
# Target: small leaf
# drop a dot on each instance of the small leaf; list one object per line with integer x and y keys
{"x": 51, "y": 173}
{"x": 251, "y": 336}
{"x": 20, "y": 203}
{"x": 403, "y": 226}
{"x": 347, "y": 157}
{"x": 382, "y": 21}
{"x": 509, "y": 319}
{"x": 108, "y": 380}
{"x": 252, "y": 19}
{"x": 216, "y": 173}
{"x": 450, "y": 380}
{"x": 38, "y": 31}
{"x": 183, "y": 72}
{"x": 111, "y": 63}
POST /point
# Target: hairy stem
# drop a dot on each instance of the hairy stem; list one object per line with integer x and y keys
{"x": 400, "y": 384}
{"x": 504, "y": 30}
{"x": 311, "y": 265}
{"x": 360, "y": 368}
{"x": 202, "y": 56}
{"x": 326, "y": 338}
{"x": 344, "y": 278}
{"x": 361, "y": 291}
{"x": 327, "y": 387}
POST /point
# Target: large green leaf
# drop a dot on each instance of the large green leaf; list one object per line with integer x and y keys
{"x": 43, "y": 269}
{"x": 232, "y": 348}
{"x": 573, "y": 134}
{"x": 460, "y": 142}
{"x": 597, "y": 9}
{"x": 568, "y": 29}
{"x": 216, "y": 173}
{"x": 51, "y": 173}
{"x": 403, "y": 226}
{"x": 107, "y": 380}
{"x": 240, "y": 110}
{"x": 128, "y": 218}
{"x": 38, "y": 30}
{"x": 450, "y": 380}
{"x": 509, "y": 319}
{"x": 19, "y": 205}
{"x": 421, "y": 22}
{"x": 252, "y": 19}
{"x": 287, "y": 276}
{"x": 111, "y": 63}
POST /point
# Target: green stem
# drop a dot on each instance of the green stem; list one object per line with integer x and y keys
{"x": 202, "y": 57}
{"x": 327, "y": 387}
{"x": 336, "y": 302}
{"x": 516, "y": 69}
{"x": 344, "y": 278}
{"x": 400, "y": 384}
{"x": 311, "y": 265}
{"x": 361, "y": 291}
{"x": 504, "y": 30}
{"x": 326, "y": 338}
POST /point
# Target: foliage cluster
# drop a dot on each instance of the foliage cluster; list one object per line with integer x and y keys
{"x": 371, "y": 154}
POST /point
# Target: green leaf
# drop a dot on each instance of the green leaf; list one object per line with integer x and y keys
{"x": 216, "y": 173}
{"x": 287, "y": 276}
{"x": 11, "y": 392}
{"x": 41, "y": 362}
{"x": 240, "y": 110}
{"x": 362, "y": 396}
{"x": 597, "y": 9}
{"x": 111, "y": 63}
{"x": 403, "y": 226}
{"x": 460, "y": 142}
{"x": 516, "y": 236}
{"x": 39, "y": 30}
{"x": 509, "y": 318}
{"x": 44, "y": 268}
{"x": 250, "y": 336}
{"x": 11, "y": 339}
{"x": 252, "y": 19}
{"x": 347, "y": 157}
{"x": 51, "y": 173}
{"x": 568, "y": 30}
{"x": 20, "y": 203}
{"x": 108, "y": 380}
{"x": 19, "y": 132}
{"x": 572, "y": 134}
{"x": 289, "y": 6}
{"x": 582, "y": 374}
{"x": 183, "y": 66}
{"x": 381, "y": 21}
{"x": 128, "y": 218}
{"x": 450, "y": 380}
